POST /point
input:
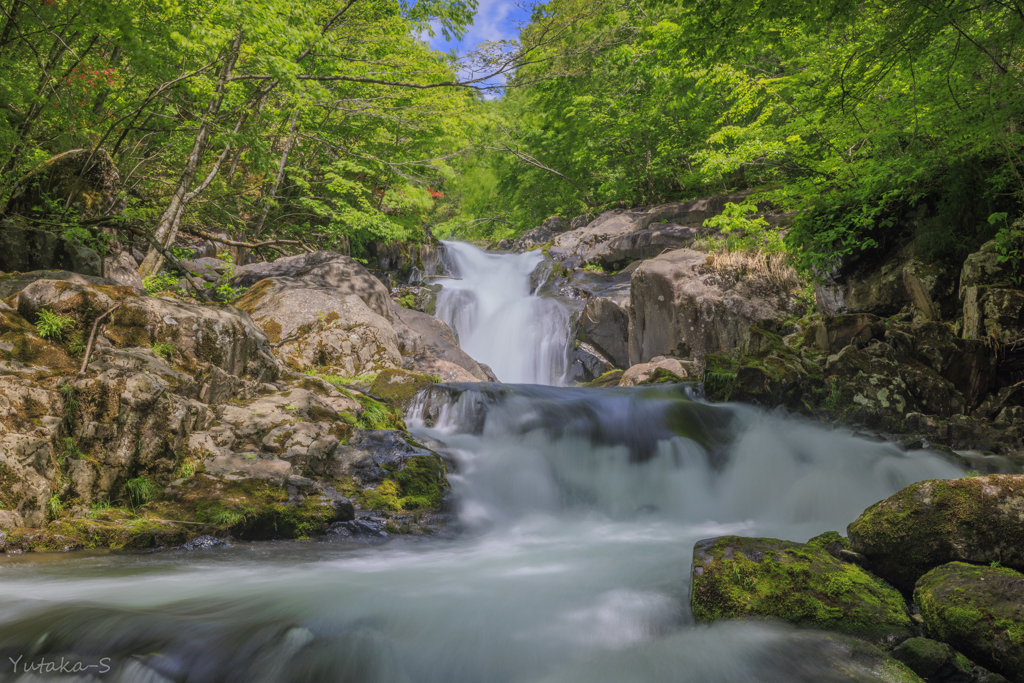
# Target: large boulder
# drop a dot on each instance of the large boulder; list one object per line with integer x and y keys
{"x": 86, "y": 180}
{"x": 659, "y": 369}
{"x": 122, "y": 269}
{"x": 429, "y": 346}
{"x": 679, "y": 308}
{"x": 316, "y": 326}
{"x": 24, "y": 250}
{"x": 326, "y": 269}
{"x": 930, "y": 523}
{"x": 977, "y": 610}
{"x": 804, "y": 584}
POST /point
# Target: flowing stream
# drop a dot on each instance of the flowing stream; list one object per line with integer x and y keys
{"x": 578, "y": 513}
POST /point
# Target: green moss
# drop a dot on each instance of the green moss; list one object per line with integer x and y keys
{"x": 802, "y": 584}
{"x": 419, "y": 485}
{"x": 400, "y": 387}
{"x": 930, "y": 523}
{"x": 978, "y": 610}
{"x": 608, "y": 379}
{"x": 90, "y": 534}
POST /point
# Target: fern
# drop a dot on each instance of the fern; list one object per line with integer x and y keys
{"x": 53, "y": 325}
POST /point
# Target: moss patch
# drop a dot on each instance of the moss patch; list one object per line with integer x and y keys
{"x": 608, "y": 379}
{"x": 978, "y": 610}
{"x": 805, "y": 585}
{"x": 400, "y": 387}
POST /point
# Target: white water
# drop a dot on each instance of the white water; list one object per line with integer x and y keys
{"x": 581, "y": 509}
{"x": 523, "y": 338}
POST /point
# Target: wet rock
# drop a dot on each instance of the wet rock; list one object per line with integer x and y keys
{"x": 365, "y": 528}
{"x": 678, "y": 309}
{"x": 608, "y": 379}
{"x": 341, "y": 274}
{"x": 605, "y": 324}
{"x": 389, "y": 471}
{"x": 735, "y": 577}
{"x": 588, "y": 363}
{"x": 202, "y": 543}
{"x": 935, "y": 661}
{"x": 930, "y": 523}
{"x": 977, "y": 610}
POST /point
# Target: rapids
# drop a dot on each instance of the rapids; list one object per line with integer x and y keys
{"x": 578, "y": 512}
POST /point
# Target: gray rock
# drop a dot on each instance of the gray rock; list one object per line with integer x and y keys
{"x": 679, "y": 311}
{"x": 10, "y": 520}
{"x": 993, "y": 312}
{"x": 319, "y": 327}
{"x": 122, "y": 269}
{"x": 327, "y": 269}
{"x": 429, "y": 346}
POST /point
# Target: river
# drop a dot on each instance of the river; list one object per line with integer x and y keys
{"x": 578, "y": 513}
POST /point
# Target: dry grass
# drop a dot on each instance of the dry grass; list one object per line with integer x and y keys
{"x": 771, "y": 266}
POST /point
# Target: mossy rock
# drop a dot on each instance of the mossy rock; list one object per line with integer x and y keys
{"x": 400, "y": 387}
{"x": 736, "y": 577}
{"x": 419, "y": 483}
{"x": 608, "y": 379}
{"x": 977, "y": 610}
{"x": 931, "y": 659}
{"x": 930, "y": 523}
{"x": 63, "y": 535}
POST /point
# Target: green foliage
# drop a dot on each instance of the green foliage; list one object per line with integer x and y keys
{"x": 161, "y": 282}
{"x": 164, "y": 350}
{"x": 52, "y": 325}
{"x": 1010, "y": 247}
{"x": 138, "y": 492}
{"x": 54, "y": 506}
{"x": 742, "y": 233}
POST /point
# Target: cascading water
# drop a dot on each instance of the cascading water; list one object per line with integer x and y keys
{"x": 522, "y": 337}
{"x": 579, "y": 510}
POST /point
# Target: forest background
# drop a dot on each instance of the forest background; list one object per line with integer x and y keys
{"x": 334, "y": 123}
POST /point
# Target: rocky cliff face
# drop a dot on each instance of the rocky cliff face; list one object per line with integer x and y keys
{"x": 195, "y": 418}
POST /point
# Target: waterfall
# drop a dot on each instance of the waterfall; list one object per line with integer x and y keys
{"x": 499, "y": 321}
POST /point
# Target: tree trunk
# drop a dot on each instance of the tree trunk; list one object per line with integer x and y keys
{"x": 167, "y": 227}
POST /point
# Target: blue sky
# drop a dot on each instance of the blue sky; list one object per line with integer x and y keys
{"x": 495, "y": 20}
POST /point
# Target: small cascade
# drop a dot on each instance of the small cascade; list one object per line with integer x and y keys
{"x": 522, "y": 337}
